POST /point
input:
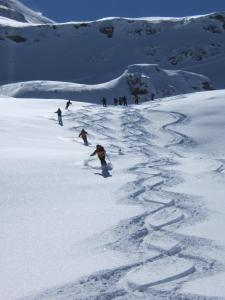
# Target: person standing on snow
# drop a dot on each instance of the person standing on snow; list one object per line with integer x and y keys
{"x": 125, "y": 101}
{"x": 100, "y": 151}
{"x": 83, "y": 135}
{"x": 115, "y": 100}
{"x": 152, "y": 96}
{"x": 104, "y": 102}
{"x": 68, "y": 103}
{"x": 136, "y": 100}
{"x": 59, "y": 113}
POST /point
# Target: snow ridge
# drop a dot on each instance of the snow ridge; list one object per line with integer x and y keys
{"x": 15, "y": 10}
{"x": 146, "y": 81}
{"x": 96, "y": 52}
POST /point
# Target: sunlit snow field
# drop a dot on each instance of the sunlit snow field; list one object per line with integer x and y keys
{"x": 154, "y": 222}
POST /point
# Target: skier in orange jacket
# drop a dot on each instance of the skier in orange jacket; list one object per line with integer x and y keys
{"x": 100, "y": 151}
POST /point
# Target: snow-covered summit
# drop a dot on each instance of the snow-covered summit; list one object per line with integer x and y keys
{"x": 98, "y": 51}
{"x": 147, "y": 81}
{"x": 15, "y": 10}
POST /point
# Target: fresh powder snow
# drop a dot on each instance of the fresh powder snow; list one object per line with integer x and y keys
{"x": 151, "y": 224}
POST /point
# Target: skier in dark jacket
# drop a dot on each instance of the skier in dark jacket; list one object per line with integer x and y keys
{"x": 100, "y": 151}
{"x": 59, "y": 113}
{"x": 125, "y": 101}
{"x": 68, "y": 103}
{"x": 83, "y": 135}
{"x": 152, "y": 96}
{"x": 115, "y": 100}
{"x": 136, "y": 99}
{"x": 104, "y": 102}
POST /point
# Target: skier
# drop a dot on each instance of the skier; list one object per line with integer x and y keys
{"x": 115, "y": 100}
{"x": 59, "y": 113}
{"x": 68, "y": 103}
{"x": 136, "y": 100}
{"x": 152, "y": 96}
{"x": 120, "y": 101}
{"x": 125, "y": 101}
{"x": 83, "y": 135}
{"x": 104, "y": 102}
{"x": 100, "y": 151}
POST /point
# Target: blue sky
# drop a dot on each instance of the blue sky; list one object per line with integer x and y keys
{"x": 67, "y": 10}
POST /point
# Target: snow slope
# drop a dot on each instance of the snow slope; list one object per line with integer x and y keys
{"x": 99, "y": 51}
{"x": 48, "y": 210}
{"x": 150, "y": 228}
{"x": 143, "y": 80}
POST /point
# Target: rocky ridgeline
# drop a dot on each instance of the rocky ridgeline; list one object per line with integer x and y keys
{"x": 99, "y": 51}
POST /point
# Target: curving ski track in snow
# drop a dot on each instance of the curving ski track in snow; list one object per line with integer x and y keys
{"x": 152, "y": 236}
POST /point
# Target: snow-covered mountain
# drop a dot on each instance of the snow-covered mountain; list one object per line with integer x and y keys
{"x": 147, "y": 81}
{"x": 151, "y": 224}
{"x": 99, "y": 51}
{"x": 15, "y": 10}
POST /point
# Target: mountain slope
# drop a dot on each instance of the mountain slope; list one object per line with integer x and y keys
{"x": 99, "y": 51}
{"x": 15, "y": 10}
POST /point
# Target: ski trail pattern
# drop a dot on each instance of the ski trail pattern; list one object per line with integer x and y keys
{"x": 151, "y": 237}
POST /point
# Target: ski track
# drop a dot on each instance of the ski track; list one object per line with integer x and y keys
{"x": 151, "y": 237}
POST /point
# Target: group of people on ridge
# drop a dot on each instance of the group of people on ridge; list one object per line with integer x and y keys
{"x": 123, "y": 100}
{"x": 119, "y": 101}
